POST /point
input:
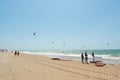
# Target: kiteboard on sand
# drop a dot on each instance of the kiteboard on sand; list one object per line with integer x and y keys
{"x": 60, "y": 59}
{"x": 100, "y": 64}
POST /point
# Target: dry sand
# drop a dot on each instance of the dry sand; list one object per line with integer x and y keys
{"x": 34, "y": 67}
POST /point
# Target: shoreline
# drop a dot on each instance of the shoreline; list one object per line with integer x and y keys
{"x": 77, "y": 57}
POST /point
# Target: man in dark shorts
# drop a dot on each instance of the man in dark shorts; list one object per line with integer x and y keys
{"x": 93, "y": 57}
{"x": 86, "y": 58}
{"x": 82, "y": 58}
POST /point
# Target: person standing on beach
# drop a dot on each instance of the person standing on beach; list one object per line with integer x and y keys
{"x": 86, "y": 58}
{"x": 82, "y": 58}
{"x": 93, "y": 57}
{"x": 18, "y": 53}
{"x": 15, "y": 53}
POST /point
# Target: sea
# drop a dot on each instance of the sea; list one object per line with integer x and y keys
{"x": 111, "y": 56}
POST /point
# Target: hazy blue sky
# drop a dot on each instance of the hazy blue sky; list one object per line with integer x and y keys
{"x": 90, "y": 24}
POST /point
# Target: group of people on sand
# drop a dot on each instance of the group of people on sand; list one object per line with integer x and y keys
{"x": 85, "y": 56}
{"x": 16, "y": 53}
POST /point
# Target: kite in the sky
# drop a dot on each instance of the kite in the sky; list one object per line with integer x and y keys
{"x": 53, "y": 42}
{"x": 107, "y": 43}
{"x": 34, "y": 33}
{"x": 64, "y": 43}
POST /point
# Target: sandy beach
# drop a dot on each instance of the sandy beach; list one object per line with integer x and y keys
{"x": 34, "y": 67}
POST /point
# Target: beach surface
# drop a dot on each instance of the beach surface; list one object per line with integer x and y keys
{"x": 35, "y": 67}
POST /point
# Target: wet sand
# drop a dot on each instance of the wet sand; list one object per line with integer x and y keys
{"x": 34, "y": 67}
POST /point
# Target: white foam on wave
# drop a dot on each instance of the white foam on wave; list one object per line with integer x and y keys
{"x": 108, "y": 57}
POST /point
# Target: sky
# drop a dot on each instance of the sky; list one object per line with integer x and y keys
{"x": 59, "y": 24}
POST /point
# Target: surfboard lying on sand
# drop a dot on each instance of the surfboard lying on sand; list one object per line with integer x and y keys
{"x": 95, "y": 61}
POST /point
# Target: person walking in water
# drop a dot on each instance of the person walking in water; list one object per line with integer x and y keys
{"x": 86, "y": 58}
{"x": 82, "y": 58}
{"x": 93, "y": 57}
